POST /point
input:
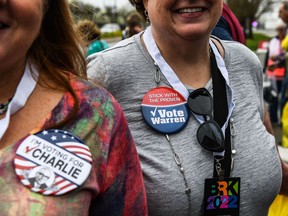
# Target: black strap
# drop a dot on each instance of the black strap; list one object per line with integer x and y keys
{"x": 221, "y": 113}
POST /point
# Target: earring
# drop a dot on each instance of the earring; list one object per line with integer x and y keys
{"x": 147, "y": 17}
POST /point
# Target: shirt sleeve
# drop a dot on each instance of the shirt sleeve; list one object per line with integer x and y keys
{"x": 122, "y": 189}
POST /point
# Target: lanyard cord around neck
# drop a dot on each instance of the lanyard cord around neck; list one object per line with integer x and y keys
{"x": 23, "y": 91}
{"x": 221, "y": 113}
{"x": 158, "y": 59}
{"x": 219, "y": 82}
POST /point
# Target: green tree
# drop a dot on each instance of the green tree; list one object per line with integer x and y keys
{"x": 84, "y": 11}
{"x": 110, "y": 14}
{"x": 248, "y": 11}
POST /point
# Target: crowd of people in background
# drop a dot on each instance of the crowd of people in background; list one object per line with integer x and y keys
{"x": 274, "y": 68}
{"x": 169, "y": 121}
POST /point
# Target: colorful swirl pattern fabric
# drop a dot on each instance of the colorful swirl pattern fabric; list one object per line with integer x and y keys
{"x": 114, "y": 185}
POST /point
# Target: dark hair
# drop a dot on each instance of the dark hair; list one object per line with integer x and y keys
{"x": 139, "y": 6}
{"x": 56, "y": 51}
{"x": 134, "y": 19}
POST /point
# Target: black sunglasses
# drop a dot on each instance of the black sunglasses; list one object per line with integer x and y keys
{"x": 209, "y": 134}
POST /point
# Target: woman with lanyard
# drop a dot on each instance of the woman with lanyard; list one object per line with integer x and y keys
{"x": 65, "y": 144}
{"x": 195, "y": 108}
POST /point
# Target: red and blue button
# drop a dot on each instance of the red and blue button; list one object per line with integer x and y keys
{"x": 165, "y": 110}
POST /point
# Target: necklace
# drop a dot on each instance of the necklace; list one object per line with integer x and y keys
{"x": 24, "y": 89}
{"x": 4, "y": 106}
{"x": 177, "y": 158}
{"x": 178, "y": 161}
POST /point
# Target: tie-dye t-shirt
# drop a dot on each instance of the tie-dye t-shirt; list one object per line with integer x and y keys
{"x": 114, "y": 186}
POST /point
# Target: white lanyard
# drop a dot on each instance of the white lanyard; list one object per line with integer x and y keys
{"x": 173, "y": 79}
{"x": 23, "y": 91}
{"x": 160, "y": 61}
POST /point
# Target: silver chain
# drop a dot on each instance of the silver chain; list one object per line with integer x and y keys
{"x": 177, "y": 158}
{"x": 178, "y": 161}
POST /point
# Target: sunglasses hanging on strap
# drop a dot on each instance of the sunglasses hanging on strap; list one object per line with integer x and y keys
{"x": 222, "y": 192}
{"x": 221, "y": 113}
{"x": 209, "y": 134}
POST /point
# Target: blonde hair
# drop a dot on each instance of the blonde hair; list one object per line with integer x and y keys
{"x": 88, "y": 30}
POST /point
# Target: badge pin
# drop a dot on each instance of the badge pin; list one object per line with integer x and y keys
{"x": 165, "y": 110}
{"x": 222, "y": 197}
{"x": 53, "y": 162}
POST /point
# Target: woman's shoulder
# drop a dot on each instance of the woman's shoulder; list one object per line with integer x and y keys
{"x": 237, "y": 47}
{"x": 232, "y": 49}
{"x": 93, "y": 95}
{"x": 117, "y": 53}
{"x": 237, "y": 53}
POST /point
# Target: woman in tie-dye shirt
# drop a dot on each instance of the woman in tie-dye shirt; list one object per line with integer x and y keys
{"x": 43, "y": 90}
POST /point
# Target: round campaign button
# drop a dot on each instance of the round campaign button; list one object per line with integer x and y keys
{"x": 165, "y": 110}
{"x": 52, "y": 162}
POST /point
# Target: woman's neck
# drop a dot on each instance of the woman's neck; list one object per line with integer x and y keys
{"x": 180, "y": 49}
{"x": 190, "y": 60}
{"x": 9, "y": 81}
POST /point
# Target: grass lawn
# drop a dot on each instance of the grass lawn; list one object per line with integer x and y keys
{"x": 253, "y": 43}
